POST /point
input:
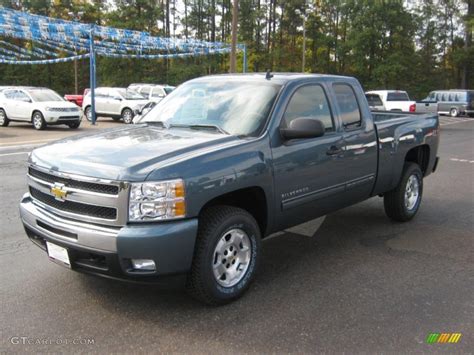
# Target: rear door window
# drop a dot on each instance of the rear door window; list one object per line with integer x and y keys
{"x": 374, "y": 100}
{"x": 348, "y": 105}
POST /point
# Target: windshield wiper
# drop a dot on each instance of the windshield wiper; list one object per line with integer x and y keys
{"x": 203, "y": 126}
{"x": 160, "y": 123}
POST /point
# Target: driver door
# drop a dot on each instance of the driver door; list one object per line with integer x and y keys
{"x": 23, "y": 106}
{"x": 308, "y": 173}
{"x": 114, "y": 103}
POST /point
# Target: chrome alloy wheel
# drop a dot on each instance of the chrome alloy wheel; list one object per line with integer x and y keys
{"x": 2, "y": 117}
{"x": 231, "y": 257}
{"x": 127, "y": 116}
{"x": 412, "y": 192}
{"x": 37, "y": 120}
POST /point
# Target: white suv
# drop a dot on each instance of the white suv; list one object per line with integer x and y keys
{"x": 40, "y": 106}
{"x": 118, "y": 103}
{"x": 152, "y": 92}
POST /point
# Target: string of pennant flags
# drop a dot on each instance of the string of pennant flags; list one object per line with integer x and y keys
{"x": 49, "y": 40}
{"x": 50, "y": 37}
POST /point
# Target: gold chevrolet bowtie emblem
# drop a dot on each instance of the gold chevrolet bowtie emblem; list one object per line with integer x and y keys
{"x": 59, "y": 192}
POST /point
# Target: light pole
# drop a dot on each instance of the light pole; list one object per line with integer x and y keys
{"x": 304, "y": 16}
{"x": 76, "y": 17}
{"x": 233, "y": 49}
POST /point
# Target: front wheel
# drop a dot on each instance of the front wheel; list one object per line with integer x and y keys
{"x": 127, "y": 116}
{"x": 402, "y": 203}
{"x": 38, "y": 121}
{"x": 454, "y": 112}
{"x": 226, "y": 255}
{"x": 4, "y": 121}
{"x": 88, "y": 113}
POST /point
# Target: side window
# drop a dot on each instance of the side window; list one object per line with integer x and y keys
{"x": 11, "y": 94}
{"x": 444, "y": 98}
{"x": 145, "y": 91}
{"x": 21, "y": 96}
{"x": 432, "y": 96}
{"x": 348, "y": 105}
{"x": 157, "y": 92}
{"x": 309, "y": 101}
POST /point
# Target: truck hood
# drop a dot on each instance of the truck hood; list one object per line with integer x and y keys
{"x": 128, "y": 153}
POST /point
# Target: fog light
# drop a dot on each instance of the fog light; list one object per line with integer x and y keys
{"x": 143, "y": 264}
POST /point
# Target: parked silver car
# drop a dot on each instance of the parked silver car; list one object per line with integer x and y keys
{"x": 118, "y": 103}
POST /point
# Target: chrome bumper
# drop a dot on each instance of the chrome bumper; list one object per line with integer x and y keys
{"x": 66, "y": 230}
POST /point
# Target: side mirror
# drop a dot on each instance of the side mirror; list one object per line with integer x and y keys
{"x": 117, "y": 98}
{"x": 303, "y": 128}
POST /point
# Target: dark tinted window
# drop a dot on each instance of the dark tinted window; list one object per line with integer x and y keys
{"x": 348, "y": 105}
{"x": 309, "y": 102}
{"x": 397, "y": 96}
{"x": 374, "y": 100}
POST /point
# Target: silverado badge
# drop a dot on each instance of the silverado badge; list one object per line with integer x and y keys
{"x": 58, "y": 191}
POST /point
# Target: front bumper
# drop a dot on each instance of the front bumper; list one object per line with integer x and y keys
{"x": 107, "y": 251}
{"x": 52, "y": 117}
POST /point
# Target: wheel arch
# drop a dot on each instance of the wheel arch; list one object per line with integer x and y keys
{"x": 419, "y": 155}
{"x": 252, "y": 199}
{"x": 33, "y": 113}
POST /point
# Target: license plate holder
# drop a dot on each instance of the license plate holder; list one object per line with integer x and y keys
{"x": 58, "y": 254}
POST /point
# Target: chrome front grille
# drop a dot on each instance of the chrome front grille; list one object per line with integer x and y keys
{"x": 86, "y": 199}
{"x": 83, "y": 185}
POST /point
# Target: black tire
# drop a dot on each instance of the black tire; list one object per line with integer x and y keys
{"x": 74, "y": 125}
{"x": 4, "y": 121}
{"x": 214, "y": 225}
{"x": 395, "y": 201}
{"x": 127, "y": 115}
{"x": 454, "y": 112}
{"x": 38, "y": 121}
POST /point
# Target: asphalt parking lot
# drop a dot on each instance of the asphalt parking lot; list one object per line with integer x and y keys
{"x": 361, "y": 284}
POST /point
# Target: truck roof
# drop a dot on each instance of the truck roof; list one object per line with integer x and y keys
{"x": 279, "y": 78}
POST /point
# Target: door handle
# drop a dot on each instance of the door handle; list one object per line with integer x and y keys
{"x": 334, "y": 150}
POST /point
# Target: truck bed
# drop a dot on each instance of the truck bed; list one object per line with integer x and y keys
{"x": 397, "y": 133}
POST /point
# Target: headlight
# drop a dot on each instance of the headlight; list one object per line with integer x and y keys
{"x": 48, "y": 108}
{"x": 153, "y": 201}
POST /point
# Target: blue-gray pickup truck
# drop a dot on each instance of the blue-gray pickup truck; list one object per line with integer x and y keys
{"x": 221, "y": 163}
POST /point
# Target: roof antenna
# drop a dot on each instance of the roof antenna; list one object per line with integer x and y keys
{"x": 269, "y": 74}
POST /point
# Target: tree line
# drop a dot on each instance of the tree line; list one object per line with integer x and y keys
{"x": 413, "y": 45}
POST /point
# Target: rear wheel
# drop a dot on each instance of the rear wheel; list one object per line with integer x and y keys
{"x": 127, "y": 115}
{"x": 402, "y": 203}
{"x": 226, "y": 255}
{"x": 454, "y": 112}
{"x": 38, "y": 121}
{"x": 4, "y": 121}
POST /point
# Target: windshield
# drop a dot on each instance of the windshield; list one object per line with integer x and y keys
{"x": 168, "y": 89}
{"x": 240, "y": 108}
{"x": 130, "y": 94}
{"x": 44, "y": 95}
{"x": 397, "y": 96}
